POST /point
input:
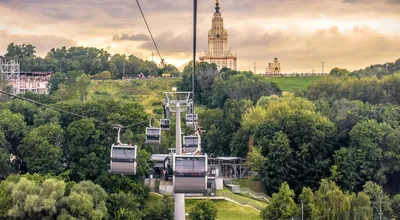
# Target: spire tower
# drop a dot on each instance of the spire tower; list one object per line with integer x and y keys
{"x": 218, "y": 49}
{"x": 217, "y": 7}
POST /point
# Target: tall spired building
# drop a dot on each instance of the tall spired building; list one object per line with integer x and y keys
{"x": 218, "y": 51}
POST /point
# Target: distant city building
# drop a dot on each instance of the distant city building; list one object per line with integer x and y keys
{"x": 274, "y": 68}
{"x": 218, "y": 51}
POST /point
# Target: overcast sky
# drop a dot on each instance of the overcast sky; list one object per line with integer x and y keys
{"x": 301, "y": 33}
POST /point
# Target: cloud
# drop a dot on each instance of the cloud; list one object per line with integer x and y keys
{"x": 301, "y": 33}
{"x": 43, "y": 43}
{"x": 131, "y": 37}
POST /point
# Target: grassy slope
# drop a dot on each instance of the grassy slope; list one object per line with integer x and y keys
{"x": 226, "y": 210}
{"x": 148, "y": 92}
{"x": 290, "y": 84}
{"x": 254, "y": 185}
{"x": 241, "y": 199}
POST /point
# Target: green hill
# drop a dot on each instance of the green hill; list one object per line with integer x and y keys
{"x": 290, "y": 84}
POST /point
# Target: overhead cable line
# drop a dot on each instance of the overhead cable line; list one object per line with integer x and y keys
{"x": 68, "y": 112}
{"x": 148, "y": 28}
{"x": 194, "y": 51}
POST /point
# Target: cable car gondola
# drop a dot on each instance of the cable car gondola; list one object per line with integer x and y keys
{"x": 190, "y": 173}
{"x": 123, "y": 159}
{"x": 190, "y": 118}
{"x": 165, "y": 124}
{"x": 190, "y": 143}
{"x": 153, "y": 135}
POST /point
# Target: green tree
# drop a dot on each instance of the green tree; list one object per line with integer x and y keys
{"x": 361, "y": 208}
{"x": 163, "y": 210}
{"x": 378, "y": 199}
{"x": 82, "y": 85}
{"x": 5, "y": 199}
{"x": 204, "y": 210}
{"x": 45, "y": 116}
{"x": 6, "y": 164}
{"x": 278, "y": 166}
{"x": 281, "y": 205}
{"x": 253, "y": 118}
{"x": 337, "y": 72}
{"x": 41, "y": 149}
{"x": 331, "y": 202}
{"x": 306, "y": 202}
{"x": 396, "y": 206}
{"x": 86, "y": 200}
{"x": 33, "y": 201}
{"x": 55, "y": 81}
{"x": 123, "y": 206}
{"x": 255, "y": 159}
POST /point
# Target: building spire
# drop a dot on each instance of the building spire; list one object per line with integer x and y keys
{"x": 217, "y": 7}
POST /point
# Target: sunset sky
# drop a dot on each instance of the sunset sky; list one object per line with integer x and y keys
{"x": 301, "y": 33}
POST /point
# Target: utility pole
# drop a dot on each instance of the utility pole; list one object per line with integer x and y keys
{"x": 302, "y": 210}
{"x": 255, "y": 68}
{"x": 323, "y": 68}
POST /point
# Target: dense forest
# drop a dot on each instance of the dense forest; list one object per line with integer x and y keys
{"x": 90, "y": 60}
{"x": 328, "y": 152}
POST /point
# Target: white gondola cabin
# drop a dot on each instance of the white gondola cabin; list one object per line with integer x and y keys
{"x": 165, "y": 124}
{"x": 190, "y": 143}
{"x": 190, "y": 118}
{"x": 190, "y": 173}
{"x": 153, "y": 135}
{"x": 123, "y": 159}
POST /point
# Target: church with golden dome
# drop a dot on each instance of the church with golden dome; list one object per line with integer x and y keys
{"x": 218, "y": 51}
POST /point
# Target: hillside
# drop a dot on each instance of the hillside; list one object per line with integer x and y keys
{"x": 149, "y": 92}
{"x": 290, "y": 84}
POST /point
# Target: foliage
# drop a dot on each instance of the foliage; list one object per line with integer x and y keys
{"x": 163, "y": 210}
{"x": 253, "y": 118}
{"x": 205, "y": 75}
{"x": 367, "y": 89}
{"x": 378, "y": 70}
{"x": 378, "y": 199}
{"x": 34, "y": 201}
{"x": 281, "y": 205}
{"x": 361, "y": 207}
{"x": 86, "y": 200}
{"x": 204, "y": 210}
{"x": 396, "y": 206}
{"x": 337, "y": 72}
{"x": 330, "y": 202}
{"x": 309, "y": 144}
{"x": 123, "y": 206}
{"x": 41, "y": 149}
{"x": 306, "y": 202}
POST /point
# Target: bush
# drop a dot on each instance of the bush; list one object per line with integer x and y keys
{"x": 204, "y": 210}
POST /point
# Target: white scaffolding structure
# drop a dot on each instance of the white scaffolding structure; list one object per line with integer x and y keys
{"x": 10, "y": 70}
{"x": 22, "y": 82}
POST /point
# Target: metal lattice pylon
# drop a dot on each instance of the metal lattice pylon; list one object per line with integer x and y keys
{"x": 11, "y": 71}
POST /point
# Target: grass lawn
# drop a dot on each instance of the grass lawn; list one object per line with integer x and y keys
{"x": 254, "y": 185}
{"x": 290, "y": 84}
{"x": 226, "y": 209}
{"x": 241, "y": 199}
